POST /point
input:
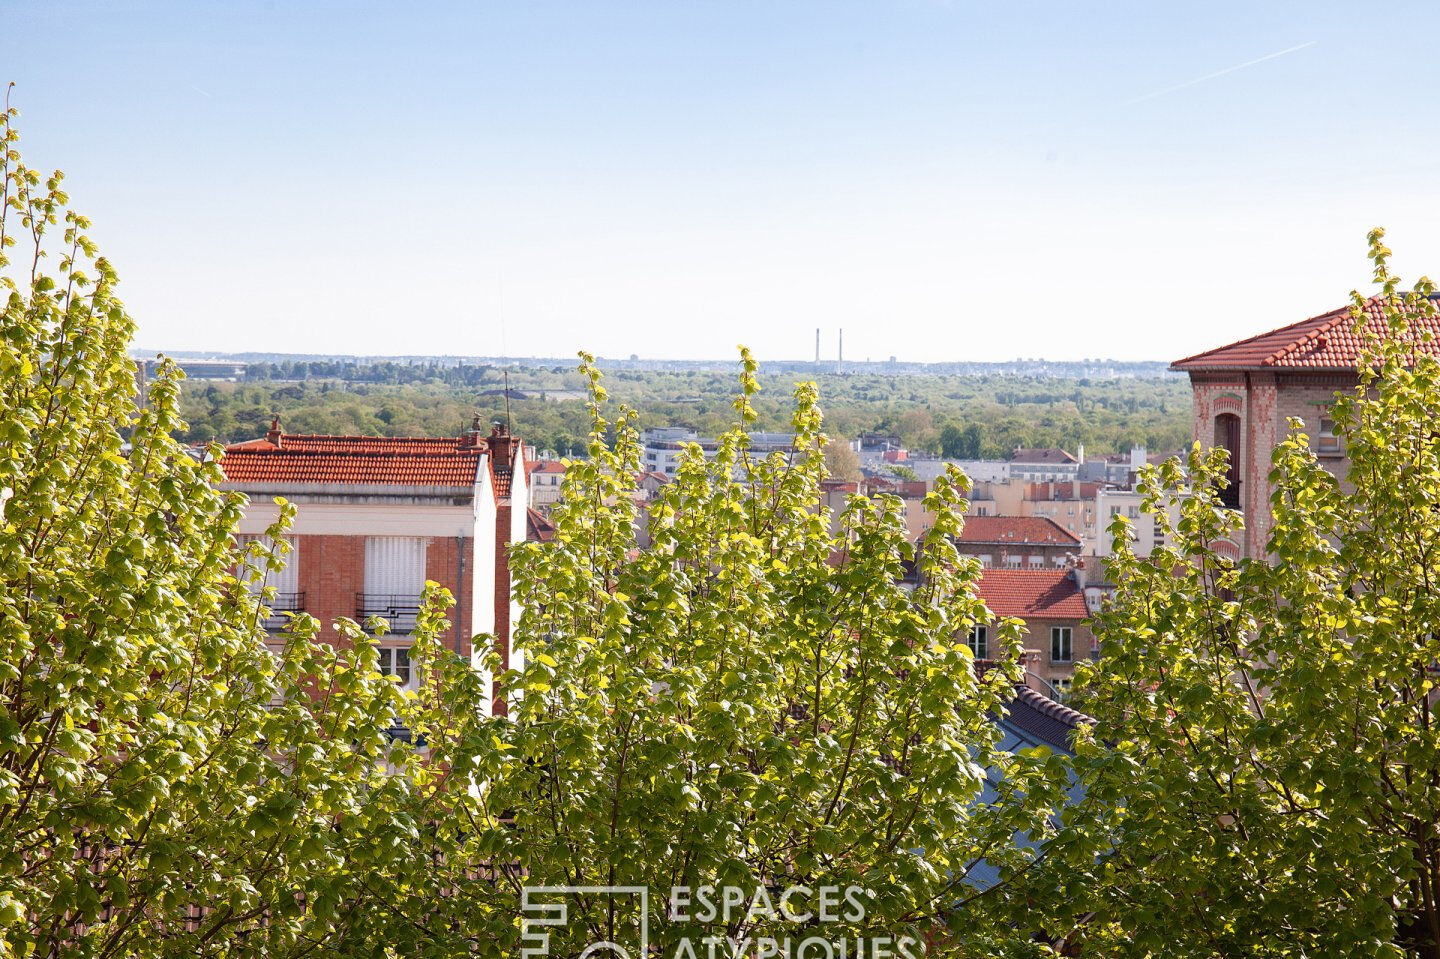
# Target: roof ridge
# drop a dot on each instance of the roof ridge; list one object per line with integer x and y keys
{"x": 1259, "y": 336}
{"x": 1055, "y": 710}
{"x": 1335, "y": 316}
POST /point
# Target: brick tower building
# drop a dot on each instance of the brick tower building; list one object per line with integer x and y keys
{"x": 1245, "y": 393}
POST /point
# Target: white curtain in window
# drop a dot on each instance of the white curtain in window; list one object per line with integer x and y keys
{"x": 395, "y": 565}
{"x": 286, "y": 580}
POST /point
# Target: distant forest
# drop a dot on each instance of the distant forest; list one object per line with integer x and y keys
{"x": 969, "y": 416}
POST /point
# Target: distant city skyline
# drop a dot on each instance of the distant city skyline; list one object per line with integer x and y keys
{"x": 943, "y": 180}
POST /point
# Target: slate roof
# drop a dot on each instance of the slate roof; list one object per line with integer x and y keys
{"x": 1027, "y": 593}
{"x": 1041, "y": 457}
{"x": 1324, "y": 342}
{"x": 1016, "y": 531}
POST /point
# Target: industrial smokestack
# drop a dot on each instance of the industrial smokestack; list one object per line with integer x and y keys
{"x": 840, "y": 356}
{"x": 817, "y": 346}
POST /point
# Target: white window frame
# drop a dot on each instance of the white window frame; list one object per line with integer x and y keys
{"x": 389, "y": 664}
{"x": 1062, "y": 641}
{"x": 979, "y": 641}
{"x": 1326, "y": 442}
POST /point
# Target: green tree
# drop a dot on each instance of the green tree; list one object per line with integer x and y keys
{"x": 972, "y": 448}
{"x": 731, "y": 706}
{"x": 167, "y": 785}
{"x": 1273, "y": 788}
{"x": 952, "y": 442}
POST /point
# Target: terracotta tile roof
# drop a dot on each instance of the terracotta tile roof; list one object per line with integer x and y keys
{"x": 1027, "y": 593}
{"x": 1324, "y": 342}
{"x": 547, "y": 466}
{"x": 1017, "y": 530}
{"x": 501, "y": 478}
{"x": 360, "y": 460}
{"x": 318, "y": 443}
{"x": 1042, "y": 457}
{"x": 537, "y": 527}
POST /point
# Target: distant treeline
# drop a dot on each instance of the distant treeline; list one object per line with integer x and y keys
{"x": 960, "y": 416}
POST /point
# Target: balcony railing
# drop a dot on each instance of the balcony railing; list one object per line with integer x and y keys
{"x": 282, "y": 604}
{"x": 399, "y": 609}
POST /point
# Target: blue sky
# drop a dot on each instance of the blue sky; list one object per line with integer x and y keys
{"x": 944, "y": 180}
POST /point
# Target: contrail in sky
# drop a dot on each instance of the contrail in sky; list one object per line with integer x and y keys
{"x": 1219, "y": 73}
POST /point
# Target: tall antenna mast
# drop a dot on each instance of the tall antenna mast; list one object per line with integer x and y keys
{"x": 508, "y": 424}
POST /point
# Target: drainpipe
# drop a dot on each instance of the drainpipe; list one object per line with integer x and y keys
{"x": 459, "y": 588}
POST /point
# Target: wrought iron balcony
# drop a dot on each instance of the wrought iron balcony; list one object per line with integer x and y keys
{"x": 400, "y": 610}
{"x": 282, "y": 604}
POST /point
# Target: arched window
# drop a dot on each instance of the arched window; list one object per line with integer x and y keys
{"x": 1227, "y": 436}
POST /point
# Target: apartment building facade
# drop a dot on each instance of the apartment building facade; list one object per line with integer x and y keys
{"x": 661, "y": 447}
{"x": 546, "y": 478}
{"x": 378, "y": 516}
{"x": 1017, "y": 542}
{"x": 1052, "y": 604}
{"x": 1049, "y": 464}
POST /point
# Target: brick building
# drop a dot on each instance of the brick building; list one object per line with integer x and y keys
{"x": 1052, "y": 603}
{"x": 378, "y": 516}
{"x": 1245, "y": 392}
{"x": 1017, "y": 542}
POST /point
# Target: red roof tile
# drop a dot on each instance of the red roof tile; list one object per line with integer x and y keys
{"x": 357, "y": 460}
{"x": 1033, "y": 593}
{"x": 1324, "y": 342}
{"x": 1013, "y": 530}
{"x": 538, "y": 527}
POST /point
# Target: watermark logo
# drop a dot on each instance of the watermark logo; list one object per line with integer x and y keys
{"x": 800, "y": 913}
{"x": 543, "y": 908}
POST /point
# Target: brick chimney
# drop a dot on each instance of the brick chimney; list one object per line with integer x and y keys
{"x": 473, "y": 438}
{"x": 272, "y": 435}
{"x": 502, "y": 446}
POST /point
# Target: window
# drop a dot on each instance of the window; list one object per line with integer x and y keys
{"x": 1326, "y": 442}
{"x": 286, "y": 581}
{"x": 980, "y": 641}
{"x": 395, "y": 661}
{"x": 1037, "y": 561}
{"x": 1133, "y": 512}
{"x": 1062, "y": 688}
{"x": 1061, "y": 645}
{"x": 986, "y": 560}
{"x": 395, "y": 565}
{"x": 1114, "y": 510}
{"x": 1012, "y": 562}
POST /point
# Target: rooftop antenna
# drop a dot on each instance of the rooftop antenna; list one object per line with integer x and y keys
{"x": 508, "y": 424}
